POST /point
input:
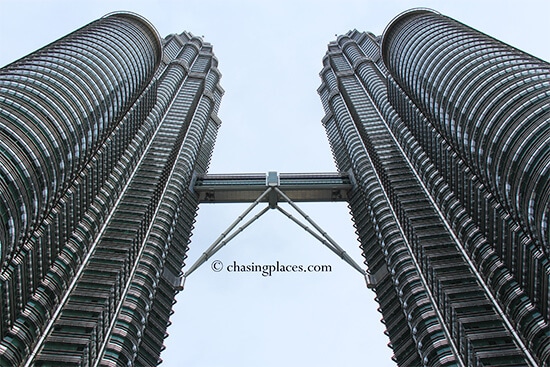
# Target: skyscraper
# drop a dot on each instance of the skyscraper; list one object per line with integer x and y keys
{"x": 101, "y": 133}
{"x": 447, "y": 134}
{"x": 441, "y": 131}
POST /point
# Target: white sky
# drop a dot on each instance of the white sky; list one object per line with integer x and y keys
{"x": 270, "y": 55}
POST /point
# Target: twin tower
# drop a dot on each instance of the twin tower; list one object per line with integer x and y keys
{"x": 441, "y": 137}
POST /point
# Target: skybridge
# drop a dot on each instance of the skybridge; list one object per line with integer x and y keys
{"x": 299, "y": 187}
{"x": 273, "y": 188}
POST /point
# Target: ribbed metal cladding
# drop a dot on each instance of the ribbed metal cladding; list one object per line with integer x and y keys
{"x": 102, "y": 133}
{"x": 140, "y": 327}
{"x": 488, "y": 100}
{"x": 357, "y": 137}
{"x": 73, "y": 123}
{"x": 116, "y": 310}
{"x": 57, "y": 106}
{"x": 459, "y": 282}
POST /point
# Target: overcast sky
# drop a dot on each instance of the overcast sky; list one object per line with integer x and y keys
{"x": 270, "y": 55}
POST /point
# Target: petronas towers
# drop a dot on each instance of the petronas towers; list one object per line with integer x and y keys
{"x": 441, "y": 133}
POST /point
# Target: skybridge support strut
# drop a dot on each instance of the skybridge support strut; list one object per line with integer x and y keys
{"x": 219, "y": 242}
{"x": 324, "y": 238}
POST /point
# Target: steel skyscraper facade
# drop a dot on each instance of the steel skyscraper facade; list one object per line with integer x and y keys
{"x": 101, "y": 133}
{"x": 442, "y": 133}
{"x": 447, "y": 134}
